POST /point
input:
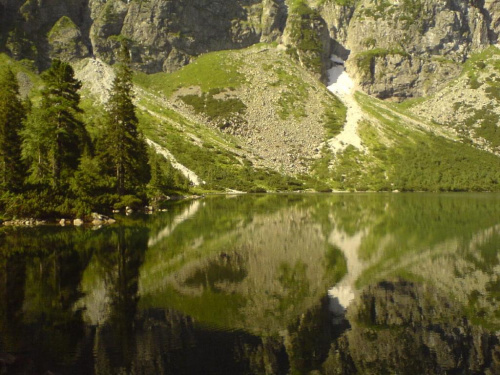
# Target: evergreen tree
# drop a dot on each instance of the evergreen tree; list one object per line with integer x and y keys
{"x": 122, "y": 147}
{"x": 12, "y": 115}
{"x": 55, "y": 138}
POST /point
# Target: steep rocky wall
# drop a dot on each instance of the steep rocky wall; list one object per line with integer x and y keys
{"x": 395, "y": 48}
{"x": 404, "y": 48}
{"x": 307, "y": 39}
{"x": 163, "y": 34}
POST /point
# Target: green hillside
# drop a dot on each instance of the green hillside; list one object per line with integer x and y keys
{"x": 404, "y": 151}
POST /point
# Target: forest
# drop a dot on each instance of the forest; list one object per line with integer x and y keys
{"x": 52, "y": 165}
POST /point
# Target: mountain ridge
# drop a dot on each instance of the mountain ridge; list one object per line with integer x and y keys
{"x": 258, "y": 117}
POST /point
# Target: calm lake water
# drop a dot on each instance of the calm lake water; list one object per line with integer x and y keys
{"x": 263, "y": 284}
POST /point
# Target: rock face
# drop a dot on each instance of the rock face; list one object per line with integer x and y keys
{"x": 411, "y": 48}
{"x": 165, "y": 35}
{"x": 65, "y": 41}
{"x": 162, "y": 35}
{"x": 395, "y": 48}
{"x": 40, "y": 30}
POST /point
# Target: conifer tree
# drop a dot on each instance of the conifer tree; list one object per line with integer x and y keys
{"x": 55, "y": 138}
{"x": 12, "y": 115}
{"x": 122, "y": 147}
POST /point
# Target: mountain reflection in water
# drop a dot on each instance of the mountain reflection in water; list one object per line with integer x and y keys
{"x": 266, "y": 284}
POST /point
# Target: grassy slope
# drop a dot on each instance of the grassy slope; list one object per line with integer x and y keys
{"x": 471, "y": 102}
{"x": 410, "y": 153}
{"x": 220, "y": 159}
{"x": 405, "y": 152}
{"x": 29, "y": 81}
{"x": 212, "y": 155}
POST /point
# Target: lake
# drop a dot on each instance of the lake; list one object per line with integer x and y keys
{"x": 260, "y": 284}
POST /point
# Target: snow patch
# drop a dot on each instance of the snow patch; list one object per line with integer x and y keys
{"x": 342, "y": 85}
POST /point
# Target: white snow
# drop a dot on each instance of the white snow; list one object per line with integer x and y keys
{"x": 342, "y": 85}
{"x": 188, "y": 173}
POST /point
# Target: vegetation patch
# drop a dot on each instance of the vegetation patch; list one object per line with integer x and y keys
{"x": 221, "y": 111}
{"x": 217, "y": 70}
{"x": 61, "y": 26}
{"x": 306, "y": 45}
{"x": 485, "y": 123}
{"x": 334, "y": 117}
{"x": 377, "y": 10}
{"x": 419, "y": 161}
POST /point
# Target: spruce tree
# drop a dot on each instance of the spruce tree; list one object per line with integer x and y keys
{"x": 55, "y": 138}
{"x": 12, "y": 115}
{"x": 122, "y": 147}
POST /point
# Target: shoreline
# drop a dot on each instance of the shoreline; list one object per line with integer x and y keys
{"x": 98, "y": 220}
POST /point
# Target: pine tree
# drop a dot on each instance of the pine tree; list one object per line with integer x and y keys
{"x": 122, "y": 146}
{"x": 12, "y": 115}
{"x": 55, "y": 138}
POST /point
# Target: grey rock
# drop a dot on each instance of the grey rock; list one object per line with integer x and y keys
{"x": 97, "y": 222}
{"x": 414, "y": 48}
{"x": 65, "y": 41}
{"x": 395, "y": 49}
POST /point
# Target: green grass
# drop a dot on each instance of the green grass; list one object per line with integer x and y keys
{"x": 407, "y": 159}
{"x": 216, "y": 109}
{"x": 334, "y": 117}
{"x": 29, "y": 80}
{"x": 419, "y": 161}
{"x": 216, "y": 70}
{"x": 61, "y": 26}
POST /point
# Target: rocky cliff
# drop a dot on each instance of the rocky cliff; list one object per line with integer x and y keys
{"x": 162, "y": 35}
{"x": 395, "y": 48}
{"x": 411, "y": 48}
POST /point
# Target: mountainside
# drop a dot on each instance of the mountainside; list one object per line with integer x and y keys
{"x": 399, "y": 48}
{"x": 233, "y": 92}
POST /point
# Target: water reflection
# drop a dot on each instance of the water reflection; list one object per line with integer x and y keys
{"x": 243, "y": 263}
{"x": 272, "y": 284}
{"x": 402, "y": 327}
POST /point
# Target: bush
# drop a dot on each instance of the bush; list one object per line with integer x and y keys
{"x": 131, "y": 201}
